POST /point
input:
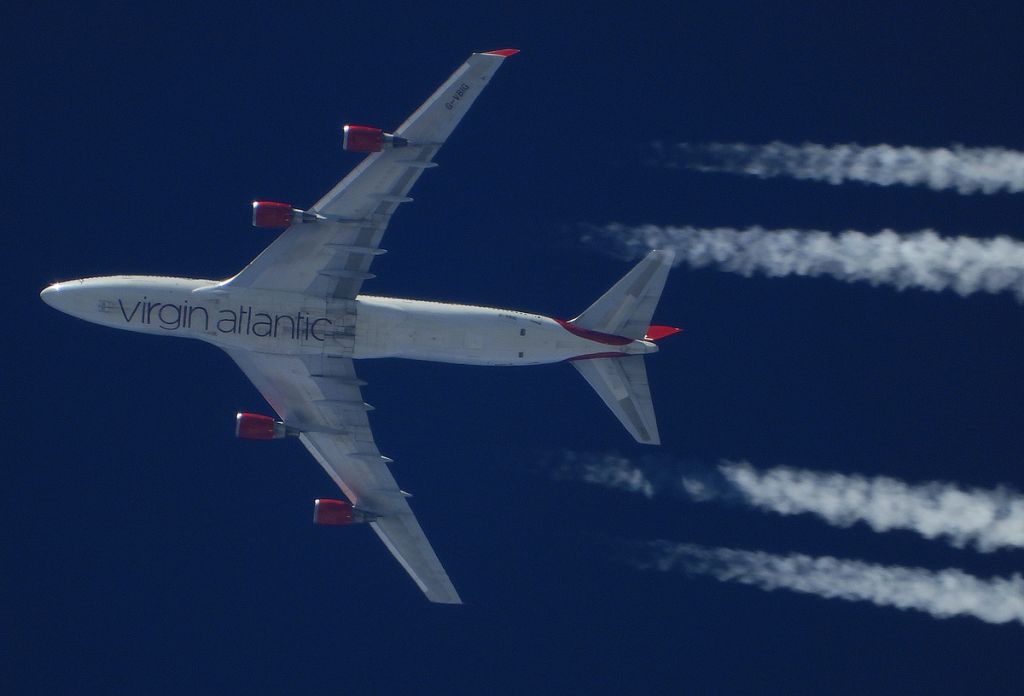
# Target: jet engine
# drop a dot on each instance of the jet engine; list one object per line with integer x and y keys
{"x": 369, "y": 139}
{"x": 253, "y": 426}
{"x": 280, "y": 215}
{"x": 335, "y": 513}
{"x": 272, "y": 214}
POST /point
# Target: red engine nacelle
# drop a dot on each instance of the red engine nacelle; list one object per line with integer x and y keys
{"x": 332, "y": 512}
{"x": 272, "y": 214}
{"x": 362, "y": 139}
{"x": 369, "y": 139}
{"x": 253, "y": 426}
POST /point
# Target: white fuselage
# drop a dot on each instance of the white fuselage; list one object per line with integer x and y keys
{"x": 367, "y": 327}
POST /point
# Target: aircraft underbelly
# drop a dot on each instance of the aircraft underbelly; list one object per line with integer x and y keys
{"x": 282, "y": 323}
{"x": 413, "y": 329}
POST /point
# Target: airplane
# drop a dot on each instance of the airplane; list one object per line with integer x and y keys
{"x": 294, "y": 320}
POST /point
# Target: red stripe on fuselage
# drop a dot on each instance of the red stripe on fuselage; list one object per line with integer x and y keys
{"x": 596, "y": 336}
{"x": 595, "y": 356}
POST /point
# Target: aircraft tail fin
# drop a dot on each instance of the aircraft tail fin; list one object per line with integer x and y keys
{"x": 622, "y": 385}
{"x": 626, "y": 309}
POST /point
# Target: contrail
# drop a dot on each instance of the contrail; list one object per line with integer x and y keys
{"x": 647, "y": 476}
{"x": 985, "y": 519}
{"x": 923, "y": 260}
{"x": 942, "y": 594}
{"x": 957, "y": 168}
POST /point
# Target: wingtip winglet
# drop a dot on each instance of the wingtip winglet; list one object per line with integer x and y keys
{"x": 503, "y": 52}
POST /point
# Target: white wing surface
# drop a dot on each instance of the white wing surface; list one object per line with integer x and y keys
{"x": 332, "y": 257}
{"x": 320, "y": 396}
{"x": 325, "y": 256}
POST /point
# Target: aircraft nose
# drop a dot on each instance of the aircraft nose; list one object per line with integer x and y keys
{"x": 50, "y": 293}
{"x": 79, "y": 298}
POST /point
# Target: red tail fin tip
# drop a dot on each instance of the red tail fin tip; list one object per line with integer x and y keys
{"x": 656, "y": 333}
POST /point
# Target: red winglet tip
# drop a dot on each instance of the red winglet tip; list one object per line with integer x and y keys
{"x": 503, "y": 52}
{"x": 656, "y": 333}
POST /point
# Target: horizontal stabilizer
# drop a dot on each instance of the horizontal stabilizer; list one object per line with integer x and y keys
{"x": 622, "y": 385}
{"x": 626, "y": 309}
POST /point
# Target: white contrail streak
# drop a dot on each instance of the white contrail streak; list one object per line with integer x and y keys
{"x": 923, "y": 260}
{"x": 985, "y": 519}
{"x": 608, "y": 470}
{"x": 958, "y": 168}
{"x": 943, "y": 594}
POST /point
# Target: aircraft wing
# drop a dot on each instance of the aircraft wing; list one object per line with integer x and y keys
{"x": 325, "y": 255}
{"x": 320, "y": 396}
{"x": 332, "y": 257}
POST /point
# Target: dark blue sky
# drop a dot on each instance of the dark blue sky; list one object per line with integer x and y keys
{"x": 148, "y": 551}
